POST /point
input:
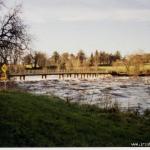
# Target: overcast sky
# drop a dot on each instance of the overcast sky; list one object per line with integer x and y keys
{"x": 71, "y": 25}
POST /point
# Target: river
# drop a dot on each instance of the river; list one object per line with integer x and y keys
{"x": 127, "y": 92}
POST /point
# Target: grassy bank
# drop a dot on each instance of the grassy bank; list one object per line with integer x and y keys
{"x": 29, "y": 120}
{"x": 122, "y": 69}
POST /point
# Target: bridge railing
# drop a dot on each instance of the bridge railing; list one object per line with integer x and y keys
{"x": 48, "y": 71}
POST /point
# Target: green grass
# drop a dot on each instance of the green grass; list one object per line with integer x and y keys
{"x": 27, "y": 120}
{"x": 118, "y": 69}
{"x": 113, "y": 68}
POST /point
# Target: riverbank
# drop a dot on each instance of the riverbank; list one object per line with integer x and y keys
{"x": 27, "y": 120}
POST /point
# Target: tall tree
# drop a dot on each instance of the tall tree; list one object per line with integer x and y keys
{"x": 117, "y": 55}
{"x": 56, "y": 57}
{"x": 28, "y": 59}
{"x": 91, "y": 60}
{"x": 81, "y": 57}
{"x": 14, "y": 39}
{"x": 39, "y": 59}
{"x": 65, "y": 57}
{"x": 96, "y": 58}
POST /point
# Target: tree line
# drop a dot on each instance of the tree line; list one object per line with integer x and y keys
{"x": 133, "y": 64}
{"x": 70, "y": 61}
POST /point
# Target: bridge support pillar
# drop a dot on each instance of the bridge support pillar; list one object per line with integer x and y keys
{"x": 77, "y": 75}
{"x": 84, "y": 76}
{"x": 59, "y": 76}
{"x": 92, "y": 75}
{"x": 63, "y": 76}
{"x": 24, "y": 77}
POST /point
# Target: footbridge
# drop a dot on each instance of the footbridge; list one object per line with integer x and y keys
{"x": 60, "y": 73}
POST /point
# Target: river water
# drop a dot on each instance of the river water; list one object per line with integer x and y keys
{"x": 127, "y": 92}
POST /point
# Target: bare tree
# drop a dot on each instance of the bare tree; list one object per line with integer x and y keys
{"x": 27, "y": 59}
{"x": 137, "y": 63}
{"x": 132, "y": 63}
{"x": 14, "y": 39}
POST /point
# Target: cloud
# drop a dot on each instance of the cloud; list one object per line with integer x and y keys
{"x": 87, "y": 11}
{"x": 123, "y": 15}
{"x": 132, "y": 15}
